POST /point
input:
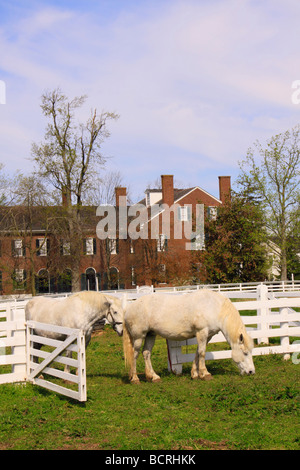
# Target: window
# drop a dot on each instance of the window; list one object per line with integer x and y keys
{"x": 19, "y": 277}
{"x": 42, "y": 282}
{"x": 17, "y": 248}
{"x": 113, "y": 246}
{"x": 198, "y": 243}
{"x": 183, "y": 214}
{"x": 42, "y": 246}
{"x": 89, "y": 246}
{"x": 212, "y": 213}
{"x": 162, "y": 243}
{"x": 65, "y": 248}
{"x": 162, "y": 268}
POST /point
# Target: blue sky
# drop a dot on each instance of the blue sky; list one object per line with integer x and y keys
{"x": 195, "y": 82}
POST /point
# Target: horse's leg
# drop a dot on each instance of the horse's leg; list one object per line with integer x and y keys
{"x": 149, "y": 343}
{"x": 132, "y": 374}
{"x": 199, "y": 369}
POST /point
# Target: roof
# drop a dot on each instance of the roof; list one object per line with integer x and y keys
{"x": 179, "y": 194}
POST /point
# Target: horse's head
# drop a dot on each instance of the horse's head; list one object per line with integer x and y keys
{"x": 115, "y": 314}
{"x": 242, "y": 354}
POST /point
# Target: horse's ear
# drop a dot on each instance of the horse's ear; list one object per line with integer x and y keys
{"x": 241, "y": 338}
{"x": 108, "y": 301}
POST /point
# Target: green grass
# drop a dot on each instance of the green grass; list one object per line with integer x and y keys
{"x": 229, "y": 412}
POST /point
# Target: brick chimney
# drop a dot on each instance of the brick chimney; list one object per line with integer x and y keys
{"x": 121, "y": 193}
{"x": 224, "y": 188}
{"x": 167, "y": 189}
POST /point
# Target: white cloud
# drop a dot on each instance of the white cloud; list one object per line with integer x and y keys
{"x": 193, "y": 81}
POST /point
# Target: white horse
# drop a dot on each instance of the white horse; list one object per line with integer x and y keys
{"x": 81, "y": 310}
{"x": 201, "y": 314}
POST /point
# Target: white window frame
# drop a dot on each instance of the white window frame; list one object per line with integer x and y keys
{"x": 66, "y": 248}
{"x": 18, "y": 248}
{"x": 42, "y": 246}
{"x": 89, "y": 246}
{"x": 112, "y": 246}
{"x": 161, "y": 242}
{"x": 183, "y": 213}
{"x": 19, "y": 275}
{"x": 213, "y": 212}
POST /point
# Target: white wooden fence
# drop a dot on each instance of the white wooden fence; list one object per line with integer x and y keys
{"x": 74, "y": 342}
{"x": 265, "y": 323}
{"x": 12, "y": 342}
{"x": 17, "y": 338}
{"x": 17, "y": 353}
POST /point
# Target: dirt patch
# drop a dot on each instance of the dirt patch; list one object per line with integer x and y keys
{"x": 203, "y": 444}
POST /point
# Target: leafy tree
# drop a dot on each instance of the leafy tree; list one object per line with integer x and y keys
{"x": 235, "y": 249}
{"x": 271, "y": 175}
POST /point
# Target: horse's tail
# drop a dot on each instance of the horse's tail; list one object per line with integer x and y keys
{"x": 127, "y": 347}
{"x": 28, "y": 309}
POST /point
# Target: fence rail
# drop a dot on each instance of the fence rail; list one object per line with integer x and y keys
{"x": 16, "y": 353}
{"x": 280, "y": 287}
{"x": 12, "y": 342}
{"x": 74, "y": 342}
{"x": 261, "y": 325}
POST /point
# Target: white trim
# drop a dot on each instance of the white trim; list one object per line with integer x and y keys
{"x": 182, "y": 197}
{"x": 203, "y": 190}
{"x": 90, "y": 267}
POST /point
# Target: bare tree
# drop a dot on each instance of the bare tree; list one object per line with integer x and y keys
{"x": 29, "y": 213}
{"x": 69, "y": 159}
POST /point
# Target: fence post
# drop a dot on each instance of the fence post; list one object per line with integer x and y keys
{"x": 173, "y": 365}
{"x": 262, "y": 295}
{"x": 285, "y": 340}
{"x": 20, "y": 350}
{"x": 81, "y": 366}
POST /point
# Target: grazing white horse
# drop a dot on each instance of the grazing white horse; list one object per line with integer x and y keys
{"x": 201, "y": 314}
{"x": 81, "y": 310}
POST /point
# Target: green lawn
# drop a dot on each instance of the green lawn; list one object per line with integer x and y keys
{"x": 229, "y": 412}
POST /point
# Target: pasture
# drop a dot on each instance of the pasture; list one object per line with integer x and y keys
{"x": 229, "y": 412}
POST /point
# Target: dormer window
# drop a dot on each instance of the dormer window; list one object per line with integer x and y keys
{"x": 153, "y": 196}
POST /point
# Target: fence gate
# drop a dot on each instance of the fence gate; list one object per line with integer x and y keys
{"x": 73, "y": 343}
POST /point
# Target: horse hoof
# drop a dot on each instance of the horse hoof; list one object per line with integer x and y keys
{"x": 207, "y": 377}
{"x": 156, "y": 380}
{"x": 135, "y": 382}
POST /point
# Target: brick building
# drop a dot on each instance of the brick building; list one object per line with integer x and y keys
{"x": 34, "y": 255}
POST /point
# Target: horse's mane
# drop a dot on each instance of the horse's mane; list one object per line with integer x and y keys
{"x": 90, "y": 297}
{"x": 94, "y": 297}
{"x": 233, "y": 323}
